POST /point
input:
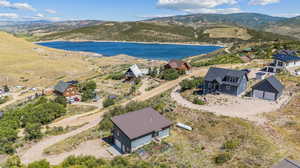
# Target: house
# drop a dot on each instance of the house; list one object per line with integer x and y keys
{"x": 285, "y": 60}
{"x": 286, "y": 163}
{"x": 136, "y": 129}
{"x": 66, "y": 89}
{"x": 178, "y": 65}
{"x": 134, "y": 72}
{"x": 268, "y": 89}
{"x": 227, "y": 81}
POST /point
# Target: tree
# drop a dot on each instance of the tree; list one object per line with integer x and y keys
{"x": 61, "y": 100}
{"x": 88, "y": 90}
{"x": 33, "y": 131}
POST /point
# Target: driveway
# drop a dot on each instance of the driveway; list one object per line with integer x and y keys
{"x": 245, "y": 108}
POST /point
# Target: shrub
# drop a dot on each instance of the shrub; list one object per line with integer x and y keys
{"x": 170, "y": 74}
{"x": 33, "y": 131}
{"x": 117, "y": 76}
{"x": 108, "y": 102}
{"x": 222, "y": 158}
{"x": 4, "y": 99}
{"x": 88, "y": 90}
{"x": 39, "y": 164}
{"x": 198, "y": 101}
{"x": 231, "y": 144}
{"x": 188, "y": 84}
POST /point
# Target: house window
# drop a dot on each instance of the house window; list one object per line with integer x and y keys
{"x": 117, "y": 132}
{"x": 228, "y": 87}
{"x": 155, "y": 134}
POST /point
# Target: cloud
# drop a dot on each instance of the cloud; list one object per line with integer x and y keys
{"x": 40, "y": 15}
{"x": 263, "y": 2}
{"x": 199, "y": 6}
{"x": 154, "y": 16}
{"x": 9, "y": 15}
{"x": 51, "y": 11}
{"x": 24, "y": 6}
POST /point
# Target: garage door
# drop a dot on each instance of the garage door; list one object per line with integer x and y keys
{"x": 258, "y": 94}
{"x": 118, "y": 144}
{"x": 269, "y": 96}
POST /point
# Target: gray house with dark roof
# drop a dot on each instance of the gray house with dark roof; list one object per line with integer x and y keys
{"x": 136, "y": 129}
{"x": 268, "y": 89}
{"x": 227, "y": 81}
{"x": 286, "y": 163}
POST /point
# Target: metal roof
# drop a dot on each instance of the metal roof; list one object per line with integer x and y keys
{"x": 61, "y": 86}
{"x": 286, "y": 163}
{"x": 136, "y": 71}
{"x": 271, "y": 84}
{"x": 142, "y": 122}
{"x": 218, "y": 74}
{"x": 286, "y": 57}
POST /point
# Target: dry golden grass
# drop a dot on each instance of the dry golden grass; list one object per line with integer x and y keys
{"x": 229, "y": 32}
{"x": 25, "y": 63}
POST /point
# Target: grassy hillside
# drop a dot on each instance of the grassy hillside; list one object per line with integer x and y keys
{"x": 290, "y": 27}
{"x": 158, "y": 32}
{"x": 250, "y": 20}
{"x": 25, "y": 63}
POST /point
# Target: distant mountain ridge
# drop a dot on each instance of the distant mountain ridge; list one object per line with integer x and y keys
{"x": 250, "y": 20}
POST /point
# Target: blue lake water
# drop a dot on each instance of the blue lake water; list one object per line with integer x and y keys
{"x": 140, "y": 50}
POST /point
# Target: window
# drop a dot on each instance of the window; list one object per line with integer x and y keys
{"x": 228, "y": 87}
{"x": 117, "y": 132}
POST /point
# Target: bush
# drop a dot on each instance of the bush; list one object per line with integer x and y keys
{"x": 188, "y": 84}
{"x": 222, "y": 158}
{"x": 198, "y": 101}
{"x": 117, "y": 76}
{"x": 108, "y": 102}
{"x": 231, "y": 144}
{"x": 170, "y": 74}
{"x": 4, "y": 99}
{"x": 39, "y": 164}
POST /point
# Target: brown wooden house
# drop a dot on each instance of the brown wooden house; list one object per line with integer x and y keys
{"x": 66, "y": 89}
{"x": 178, "y": 65}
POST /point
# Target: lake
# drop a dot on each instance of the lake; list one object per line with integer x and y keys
{"x": 140, "y": 50}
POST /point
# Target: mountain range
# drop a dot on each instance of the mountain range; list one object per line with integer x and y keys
{"x": 183, "y": 28}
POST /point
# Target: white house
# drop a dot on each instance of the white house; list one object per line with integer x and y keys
{"x": 135, "y": 72}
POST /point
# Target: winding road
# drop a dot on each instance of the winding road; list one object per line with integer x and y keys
{"x": 35, "y": 151}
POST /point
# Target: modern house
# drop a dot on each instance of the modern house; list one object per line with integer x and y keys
{"x": 227, "y": 81}
{"x": 66, "y": 89}
{"x": 178, "y": 65}
{"x": 136, "y": 129}
{"x": 283, "y": 60}
{"x": 135, "y": 72}
{"x": 286, "y": 163}
{"x": 268, "y": 89}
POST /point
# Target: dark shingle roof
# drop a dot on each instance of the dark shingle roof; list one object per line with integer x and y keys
{"x": 61, "y": 86}
{"x": 286, "y": 57}
{"x": 286, "y": 163}
{"x": 271, "y": 84}
{"x": 141, "y": 122}
{"x": 219, "y": 74}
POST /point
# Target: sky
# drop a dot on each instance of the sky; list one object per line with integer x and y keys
{"x": 131, "y": 10}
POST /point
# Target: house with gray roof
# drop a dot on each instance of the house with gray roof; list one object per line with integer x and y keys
{"x": 268, "y": 89}
{"x": 135, "y": 129}
{"x": 66, "y": 89}
{"x": 226, "y": 81}
{"x": 287, "y": 163}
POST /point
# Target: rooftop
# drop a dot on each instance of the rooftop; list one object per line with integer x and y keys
{"x": 218, "y": 74}
{"x": 138, "y": 123}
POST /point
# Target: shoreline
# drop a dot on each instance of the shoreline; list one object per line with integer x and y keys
{"x": 138, "y": 42}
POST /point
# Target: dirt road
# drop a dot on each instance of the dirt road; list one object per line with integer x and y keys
{"x": 35, "y": 152}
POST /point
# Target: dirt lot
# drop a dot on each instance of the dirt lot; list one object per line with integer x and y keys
{"x": 245, "y": 108}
